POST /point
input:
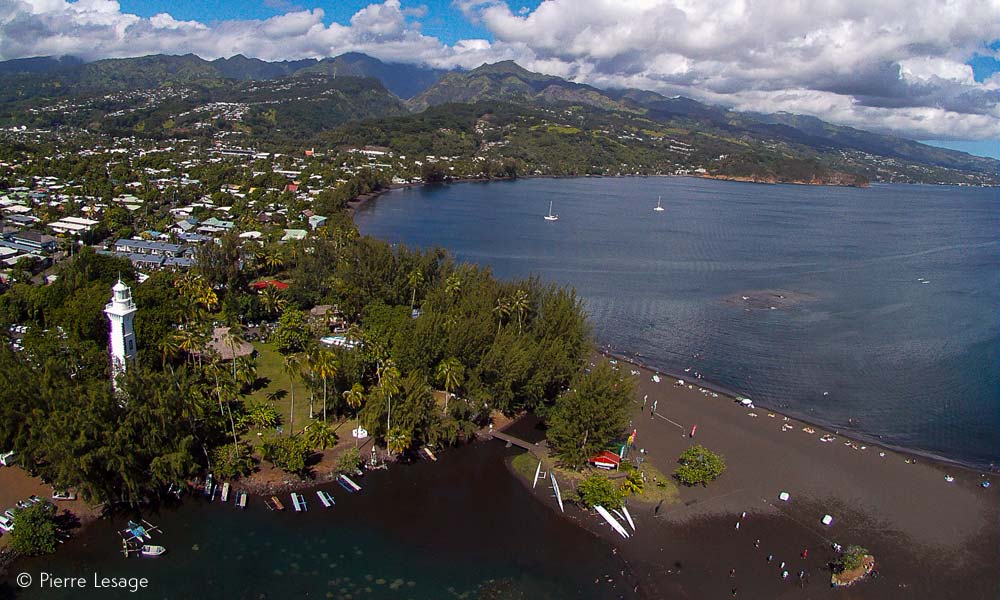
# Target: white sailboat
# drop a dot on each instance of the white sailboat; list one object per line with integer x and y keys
{"x": 550, "y": 216}
{"x": 659, "y": 205}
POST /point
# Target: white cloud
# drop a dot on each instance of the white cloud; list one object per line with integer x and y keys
{"x": 894, "y": 65}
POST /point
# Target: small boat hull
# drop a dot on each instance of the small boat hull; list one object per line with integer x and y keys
{"x": 149, "y": 550}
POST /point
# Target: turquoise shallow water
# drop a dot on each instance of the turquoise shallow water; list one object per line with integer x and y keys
{"x": 870, "y": 349}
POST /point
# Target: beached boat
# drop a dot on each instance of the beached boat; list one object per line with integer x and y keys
{"x": 209, "y": 486}
{"x": 429, "y": 454}
{"x": 659, "y": 206}
{"x": 550, "y": 216}
{"x": 538, "y": 471}
{"x": 298, "y": 502}
{"x": 175, "y": 490}
{"x": 138, "y": 531}
{"x": 241, "y": 499}
{"x": 150, "y": 550}
{"x": 274, "y": 504}
{"x": 628, "y": 517}
{"x": 325, "y": 498}
{"x": 611, "y": 521}
{"x": 555, "y": 488}
{"x": 348, "y": 484}
{"x": 225, "y": 492}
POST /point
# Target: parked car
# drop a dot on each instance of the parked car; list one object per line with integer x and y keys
{"x": 63, "y": 495}
{"x": 23, "y": 504}
{"x": 6, "y": 524}
{"x": 10, "y": 512}
{"x": 34, "y": 499}
{"x": 7, "y": 458}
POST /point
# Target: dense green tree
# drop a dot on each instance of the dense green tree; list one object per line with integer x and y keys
{"x": 591, "y": 415}
{"x": 598, "y": 490}
{"x": 699, "y": 466}
{"x": 232, "y": 462}
{"x": 853, "y": 557}
{"x": 292, "y": 333}
{"x": 35, "y": 531}
{"x": 290, "y": 454}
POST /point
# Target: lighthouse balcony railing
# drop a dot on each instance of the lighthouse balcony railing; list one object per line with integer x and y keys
{"x": 130, "y": 305}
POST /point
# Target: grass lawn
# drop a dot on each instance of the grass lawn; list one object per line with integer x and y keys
{"x": 271, "y": 369}
{"x": 659, "y": 487}
{"x": 524, "y": 464}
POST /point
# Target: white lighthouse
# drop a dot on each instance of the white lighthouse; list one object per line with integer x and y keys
{"x": 120, "y": 312}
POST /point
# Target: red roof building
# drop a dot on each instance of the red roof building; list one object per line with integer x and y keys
{"x": 606, "y": 460}
{"x": 260, "y": 285}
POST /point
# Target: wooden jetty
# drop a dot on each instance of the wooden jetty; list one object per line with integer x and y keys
{"x": 538, "y": 450}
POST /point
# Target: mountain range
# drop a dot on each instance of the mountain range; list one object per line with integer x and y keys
{"x": 310, "y": 96}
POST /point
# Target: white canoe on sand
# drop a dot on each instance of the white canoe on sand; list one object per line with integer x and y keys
{"x": 628, "y": 517}
{"x": 611, "y": 521}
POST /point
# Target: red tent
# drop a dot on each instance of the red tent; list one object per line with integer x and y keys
{"x": 606, "y": 460}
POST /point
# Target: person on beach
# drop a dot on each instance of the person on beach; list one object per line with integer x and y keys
{"x": 644, "y": 398}
{"x": 805, "y": 553}
{"x": 655, "y": 402}
{"x": 770, "y": 557}
{"x": 757, "y": 544}
{"x": 732, "y": 572}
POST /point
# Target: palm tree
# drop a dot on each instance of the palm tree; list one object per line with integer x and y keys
{"x": 291, "y": 366}
{"x": 415, "y": 279}
{"x": 273, "y": 259}
{"x": 502, "y": 310}
{"x": 273, "y": 300}
{"x": 233, "y": 337}
{"x": 215, "y": 368}
{"x": 398, "y": 440}
{"x": 388, "y": 382}
{"x": 449, "y": 372}
{"x": 320, "y": 435}
{"x": 187, "y": 340}
{"x": 169, "y": 347}
{"x": 261, "y": 415}
{"x": 355, "y": 397}
{"x": 326, "y": 367}
{"x": 309, "y": 373}
{"x": 453, "y": 284}
{"x": 519, "y": 304}
{"x": 246, "y": 371}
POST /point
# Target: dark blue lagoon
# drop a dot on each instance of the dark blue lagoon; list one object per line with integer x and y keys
{"x": 885, "y": 318}
{"x": 459, "y": 528}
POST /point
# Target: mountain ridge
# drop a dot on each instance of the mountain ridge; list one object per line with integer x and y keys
{"x": 742, "y": 138}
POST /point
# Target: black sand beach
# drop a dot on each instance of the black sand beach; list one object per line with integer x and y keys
{"x": 931, "y": 538}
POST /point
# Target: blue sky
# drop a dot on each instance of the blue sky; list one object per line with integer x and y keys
{"x": 920, "y": 69}
{"x": 443, "y": 20}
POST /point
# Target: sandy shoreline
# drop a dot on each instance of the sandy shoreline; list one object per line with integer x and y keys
{"x": 927, "y": 534}
{"x": 857, "y": 436}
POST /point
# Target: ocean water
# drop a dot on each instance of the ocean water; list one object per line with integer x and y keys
{"x": 858, "y": 342}
{"x": 460, "y": 528}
